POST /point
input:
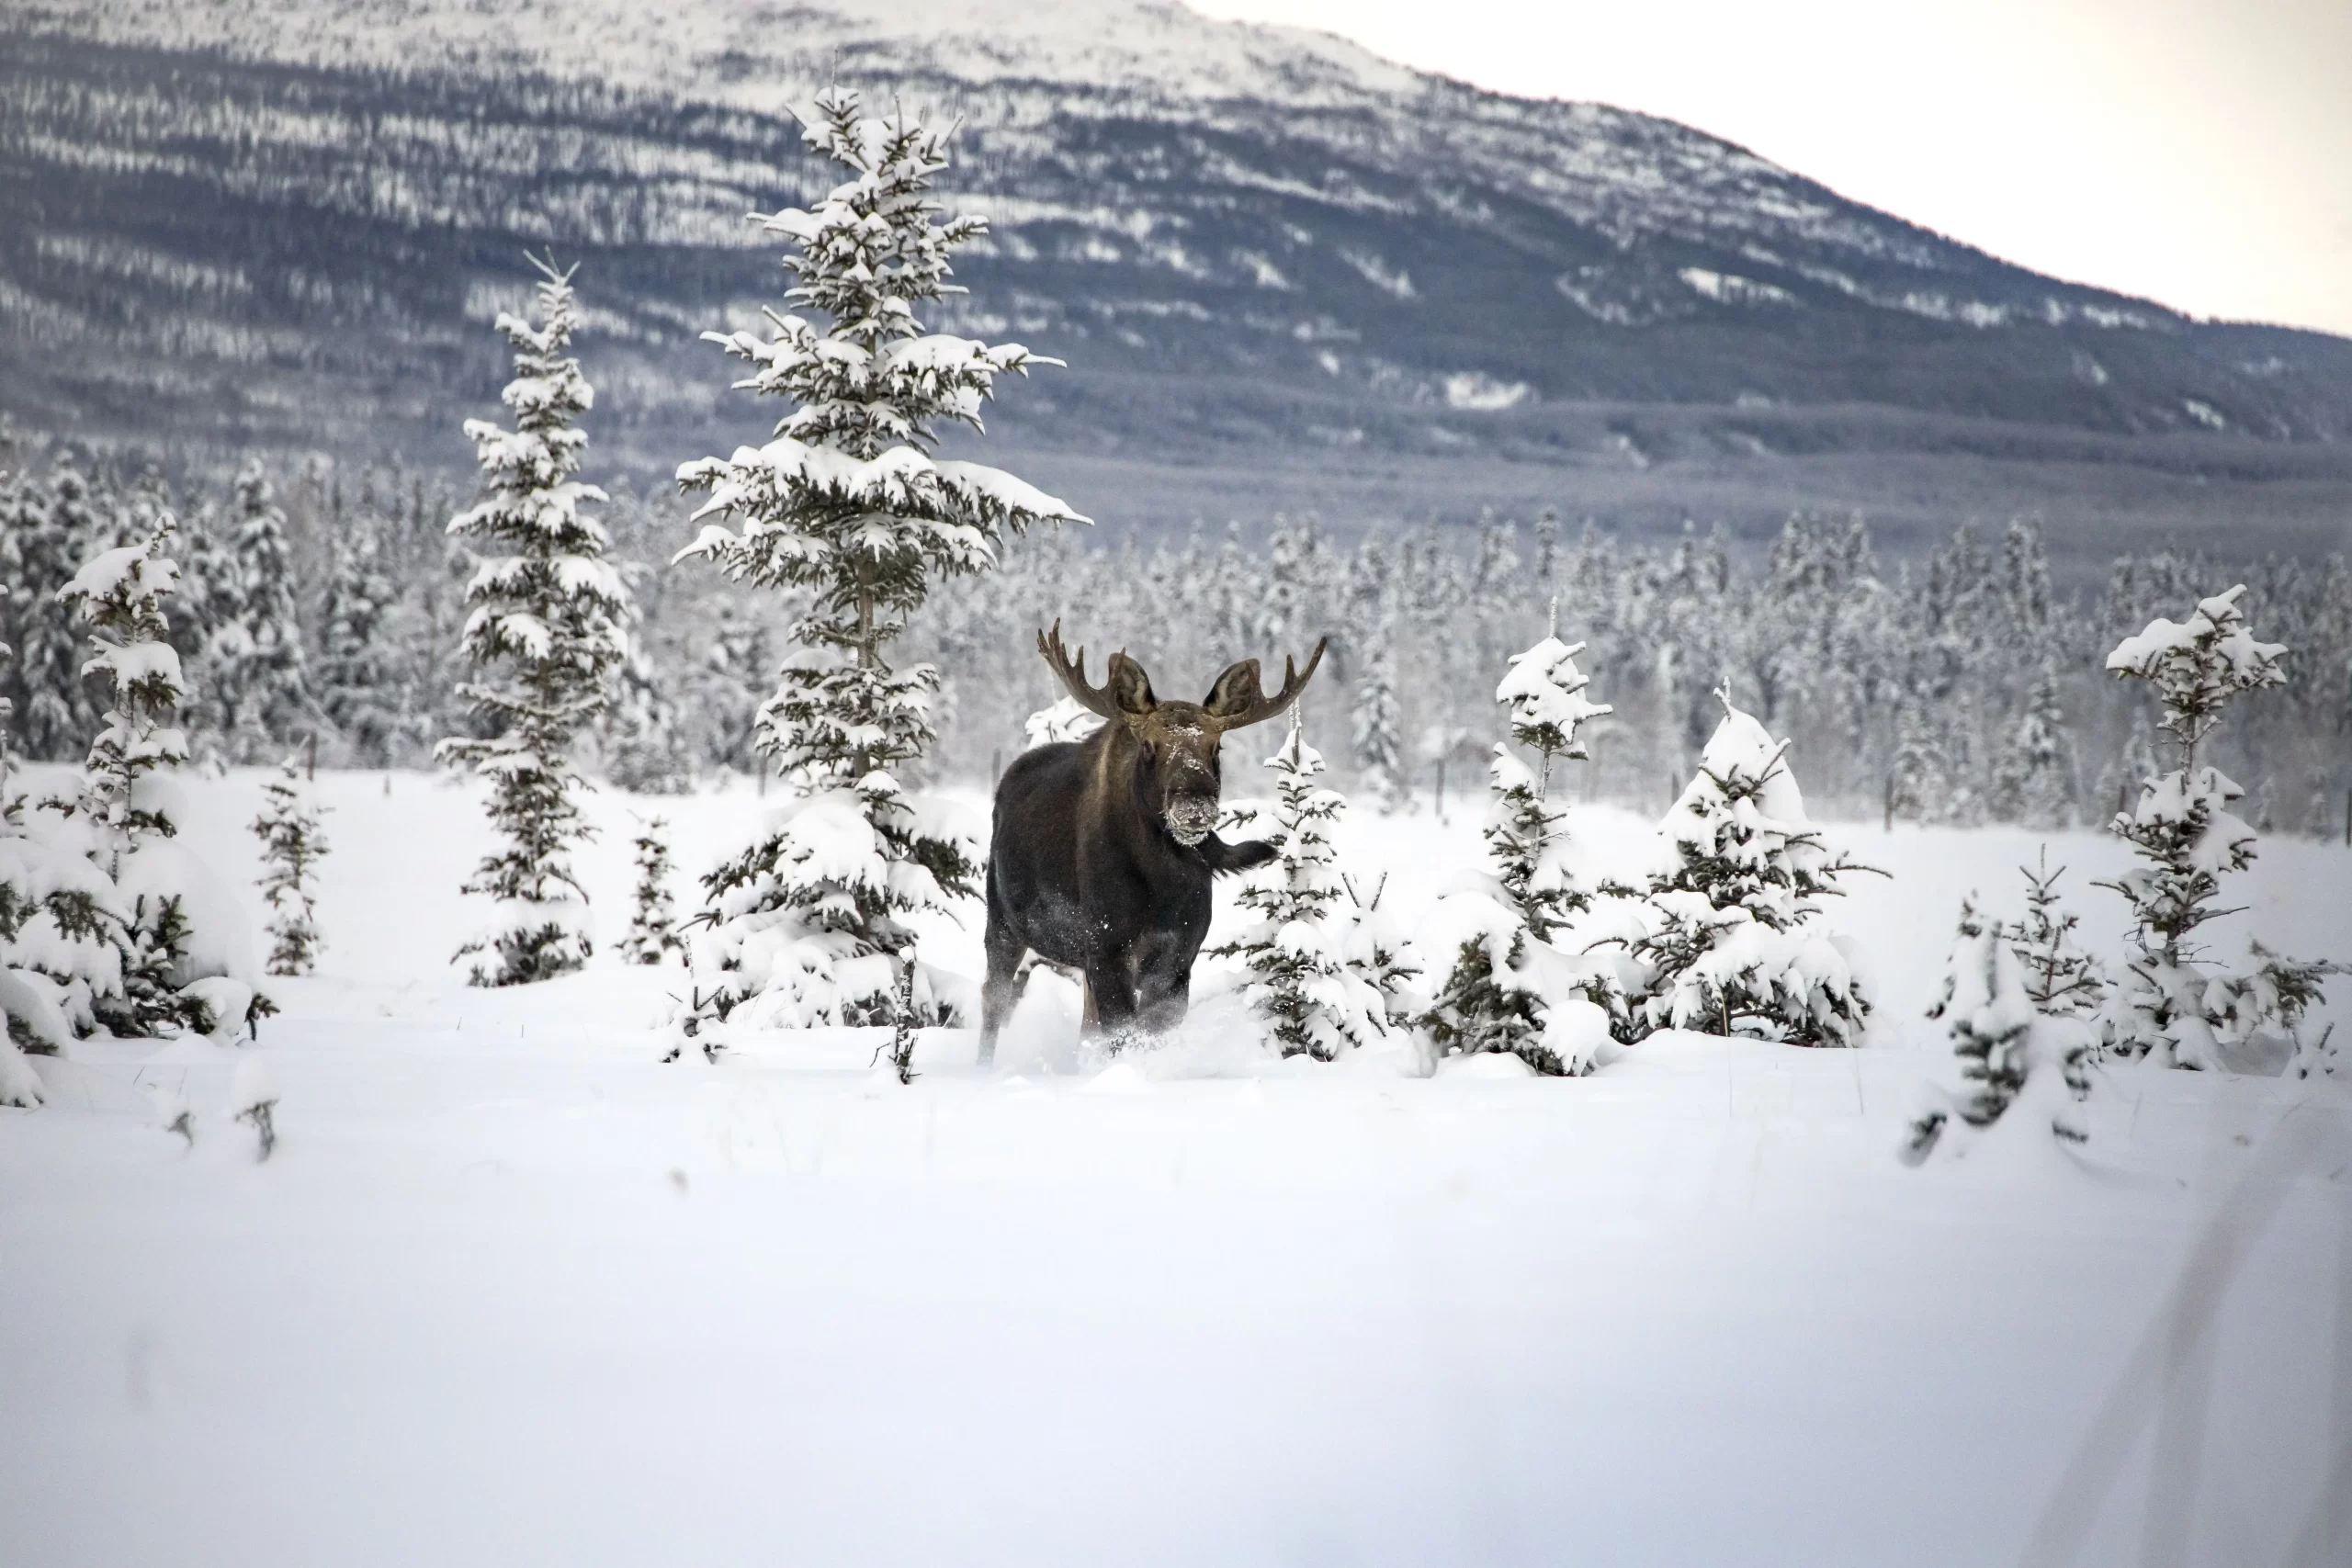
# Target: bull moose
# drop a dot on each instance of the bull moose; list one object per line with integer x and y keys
{"x": 1105, "y": 848}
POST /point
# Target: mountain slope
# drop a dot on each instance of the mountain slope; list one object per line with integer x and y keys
{"x": 1283, "y": 271}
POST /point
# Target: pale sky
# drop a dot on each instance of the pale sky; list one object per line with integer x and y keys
{"x": 2197, "y": 152}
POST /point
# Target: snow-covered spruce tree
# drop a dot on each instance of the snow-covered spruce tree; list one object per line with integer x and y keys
{"x": 1727, "y": 942}
{"x": 1914, "y": 777}
{"x": 181, "y": 946}
{"x": 2009, "y": 1051}
{"x": 2060, "y": 979}
{"x": 292, "y": 847}
{"x": 265, "y": 689}
{"x": 545, "y": 632}
{"x": 356, "y": 682}
{"x": 49, "y": 535}
{"x": 847, "y": 507}
{"x": 1306, "y": 979}
{"x": 653, "y": 922}
{"x": 58, "y": 947}
{"x": 2169, "y": 1004}
{"x": 1379, "y": 733}
{"x": 644, "y": 751}
{"x": 2035, "y": 781}
{"x": 1384, "y": 953}
{"x": 1064, "y": 720}
{"x": 1508, "y": 990}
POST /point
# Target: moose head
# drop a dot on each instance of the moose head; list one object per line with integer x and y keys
{"x": 1175, "y": 774}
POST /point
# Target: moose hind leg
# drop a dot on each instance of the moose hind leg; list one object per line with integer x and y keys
{"x": 1002, "y": 989}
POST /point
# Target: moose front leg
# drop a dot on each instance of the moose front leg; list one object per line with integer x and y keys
{"x": 1111, "y": 1014}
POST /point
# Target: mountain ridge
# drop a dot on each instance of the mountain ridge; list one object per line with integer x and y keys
{"x": 1338, "y": 263}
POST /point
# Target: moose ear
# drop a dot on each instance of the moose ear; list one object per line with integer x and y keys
{"x": 1236, "y": 691}
{"x": 1130, "y": 687}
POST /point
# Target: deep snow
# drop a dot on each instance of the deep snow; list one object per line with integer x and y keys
{"x": 511, "y": 1292}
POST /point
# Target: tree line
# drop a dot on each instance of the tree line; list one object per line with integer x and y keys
{"x": 323, "y": 608}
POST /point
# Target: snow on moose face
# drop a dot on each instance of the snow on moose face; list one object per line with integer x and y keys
{"x": 1172, "y": 766}
{"x": 1180, "y": 772}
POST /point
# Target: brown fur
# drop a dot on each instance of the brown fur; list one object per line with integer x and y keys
{"x": 1103, "y": 849}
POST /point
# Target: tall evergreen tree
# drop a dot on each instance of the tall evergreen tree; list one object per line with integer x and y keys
{"x": 355, "y": 678}
{"x": 1508, "y": 990}
{"x": 546, "y": 633}
{"x": 125, "y": 803}
{"x": 2035, "y": 783}
{"x": 847, "y": 507}
{"x": 260, "y": 665}
{"x": 1379, "y": 732}
{"x": 49, "y": 533}
{"x": 2170, "y": 1004}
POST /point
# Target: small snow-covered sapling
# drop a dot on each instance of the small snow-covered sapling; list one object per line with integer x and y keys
{"x": 253, "y": 1097}
{"x": 291, "y": 848}
{"x": 177, "y": 1115}
{"x": 653, "y": 925}
{"x": 2006, "y": 1044}
{"x": 2060, "y": 977}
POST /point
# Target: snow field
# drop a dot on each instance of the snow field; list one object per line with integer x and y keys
{"x": 509, "y": 1290}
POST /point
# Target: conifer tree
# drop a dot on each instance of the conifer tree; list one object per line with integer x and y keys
{"x": 292, "y": 847}
{"x": 59, "y": 921}
{"x": 1727, "y": 942}
{"x": 1387, "y": 957}
{"x": 1064, "y": 719}
{"x": 2060, "y": 978}
{"x": 264, "y": 692}
{"x": 1915, "y": 780}
{"x": 125, "y": 801}
{"x": 2007, "y": 1049}
{"x": 847, "y": 508}
{"x": 546, "y": 632}
{"x": 732, "y": 681}
{"x": 1311, "y": 980}
{"x": 49, "y": 533}
{"x": 644, "y": 751}
{"x": 654, "y": 924}
{"x": 119, "y": 595}
{"x": 356, "y": 682}
{"x": 2169, "y": 1004}
{"x": 2035, "y": 782}
{"x": 1379, "y": 732}
{"x": 1508, "y": 990}
{"x": 1527, "y": 840}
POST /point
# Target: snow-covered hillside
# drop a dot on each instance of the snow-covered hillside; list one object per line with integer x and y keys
{"x": 1285, "y": 273}
{"x": 511, "y": 1291}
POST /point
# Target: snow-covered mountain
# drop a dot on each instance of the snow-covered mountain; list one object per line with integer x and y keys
{"x": 1284, "y": 271}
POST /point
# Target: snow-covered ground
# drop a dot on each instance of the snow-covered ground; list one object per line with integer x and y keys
{"x": 511, "y": 1292}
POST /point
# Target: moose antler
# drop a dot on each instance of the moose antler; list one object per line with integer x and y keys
{"x": 1241, "y": 703}
{"x": 1072, "y": 673}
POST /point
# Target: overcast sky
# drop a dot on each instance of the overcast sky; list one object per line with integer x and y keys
{"x": 2195, "y": 152}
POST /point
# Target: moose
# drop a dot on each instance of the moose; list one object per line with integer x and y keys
{"x": 1105, "y": 848}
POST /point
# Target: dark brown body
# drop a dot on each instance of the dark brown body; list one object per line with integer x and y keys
{"x": 1102, "y": 858}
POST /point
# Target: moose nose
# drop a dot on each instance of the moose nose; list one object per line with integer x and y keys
{"x": 1190, "y": 819}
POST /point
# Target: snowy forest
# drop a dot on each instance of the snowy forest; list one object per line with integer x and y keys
{"x": 491, "y": 963}
{"x": 321, "y": 608}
